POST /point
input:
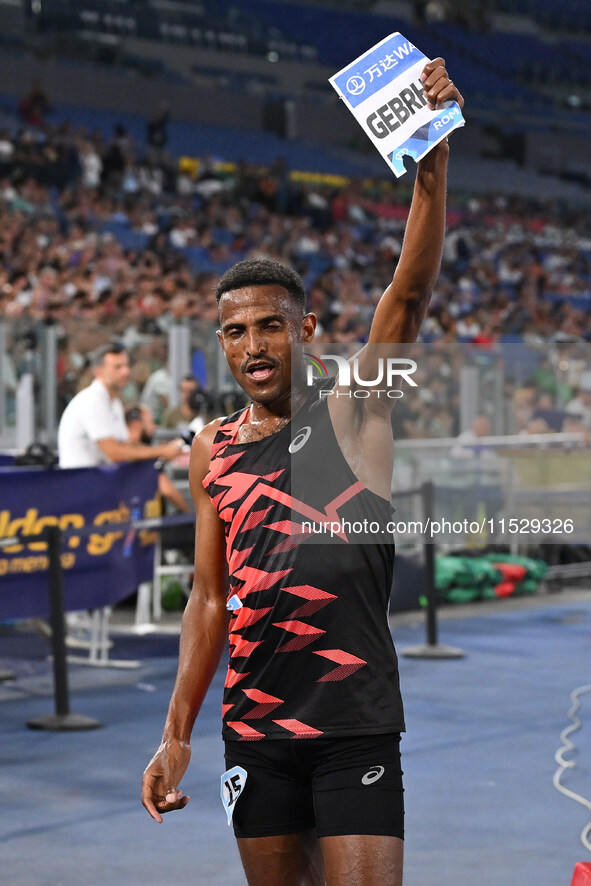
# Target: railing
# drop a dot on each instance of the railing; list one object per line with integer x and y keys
{"x": 481, "y": 486}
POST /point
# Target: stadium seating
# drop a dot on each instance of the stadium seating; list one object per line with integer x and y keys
{"x": 510, "y": 71}
{"x": 573, "y": 16}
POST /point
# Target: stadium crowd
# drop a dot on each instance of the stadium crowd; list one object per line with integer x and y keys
{"x": 107, "y": 239}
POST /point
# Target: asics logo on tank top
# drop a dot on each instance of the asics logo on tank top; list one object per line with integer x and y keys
{"x": 374, "y": 774}
{"x": 300, "y": 440}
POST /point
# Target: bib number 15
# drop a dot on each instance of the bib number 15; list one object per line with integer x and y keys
{"x": 232, "y": 785}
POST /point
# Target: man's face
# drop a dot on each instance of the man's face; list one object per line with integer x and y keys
{"x": 187, "y": 387}
{"x": 114, "y": 372}
{"x": 259, "y": 325}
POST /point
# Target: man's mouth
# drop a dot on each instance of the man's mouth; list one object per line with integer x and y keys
{"x": 260, "y": 371}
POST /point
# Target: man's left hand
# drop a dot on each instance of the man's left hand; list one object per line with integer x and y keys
{"x": 437, "y": 85}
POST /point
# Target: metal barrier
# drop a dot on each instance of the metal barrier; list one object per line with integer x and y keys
{"x": 431, "y": 648}
{"x": 63, "y": 719}
{"x": 505, "y": 484}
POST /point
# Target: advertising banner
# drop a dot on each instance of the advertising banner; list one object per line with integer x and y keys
{"x": 98, "y": 568}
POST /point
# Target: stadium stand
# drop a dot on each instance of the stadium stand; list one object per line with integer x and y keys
{"x": 517, "y": 264}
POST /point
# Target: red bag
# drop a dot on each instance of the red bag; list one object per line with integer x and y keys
{"x": 582, "y": 874}
{"x": 505, "y": 589}
{"x": 511, "y": 571}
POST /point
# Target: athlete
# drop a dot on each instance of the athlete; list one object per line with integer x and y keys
{"x": 312, "y": 713}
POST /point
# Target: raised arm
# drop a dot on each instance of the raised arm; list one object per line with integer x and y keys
{"x": 203, "y": 639}
{"x": 362, "y": 425}
{"x": 402, "y": 307}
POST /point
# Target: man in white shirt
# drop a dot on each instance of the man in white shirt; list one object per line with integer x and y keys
{"x": 93, "y": 431}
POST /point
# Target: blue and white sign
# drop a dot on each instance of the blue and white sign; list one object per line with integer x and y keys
{"x": 232, "y": 785}
{"x": 383, "y": 91}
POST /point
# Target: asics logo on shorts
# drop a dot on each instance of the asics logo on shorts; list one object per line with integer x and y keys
{"x": 374, "y": 773}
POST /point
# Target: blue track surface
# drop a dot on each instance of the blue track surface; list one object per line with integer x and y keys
{"x": 478, "y": 758}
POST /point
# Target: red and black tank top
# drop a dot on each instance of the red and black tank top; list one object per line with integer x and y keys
{"x": 310, "y": 647}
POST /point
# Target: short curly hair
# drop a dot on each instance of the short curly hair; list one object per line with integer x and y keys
{"x": 262, "y": 272}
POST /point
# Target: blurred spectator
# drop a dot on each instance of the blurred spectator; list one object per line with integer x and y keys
{"x": 580, "y": 405}
{"x": 479, "y": 428}
{"x": 547, "y": 411}
{"x": 34, "y": 107}
{"x": 156, "y": 392}
{"x": 523, "y": 406}
{"x": 115, "y": 159}
{"x": 141, "y": 428}
{"x": 6, "y": 146}
{"x": 198, "y": 403}
{"x": 156, "y": 130}
{"x": 180, "y": 416}
{"x": 92, "y": 430}
{"x": 91, "y": 163}
{"x": 442, "y": 422}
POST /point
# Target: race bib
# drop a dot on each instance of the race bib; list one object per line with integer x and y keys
{"x": 383, "y": 91}
{"x": 232, "y": 785}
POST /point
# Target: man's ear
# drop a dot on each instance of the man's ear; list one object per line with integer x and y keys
{"x": 308, "y": 327}
{"x": 218, "y": 332}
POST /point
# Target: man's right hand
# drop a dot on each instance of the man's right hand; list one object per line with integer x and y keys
{"x": 160, "y": 792}
{"x": 169, "y": 450}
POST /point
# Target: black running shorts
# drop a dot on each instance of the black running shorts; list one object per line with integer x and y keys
{"x": 337, "y": 786}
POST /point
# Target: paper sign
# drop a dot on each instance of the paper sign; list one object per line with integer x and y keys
{"x": 232, "y": 785}
{"x": 383, "y": 91}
